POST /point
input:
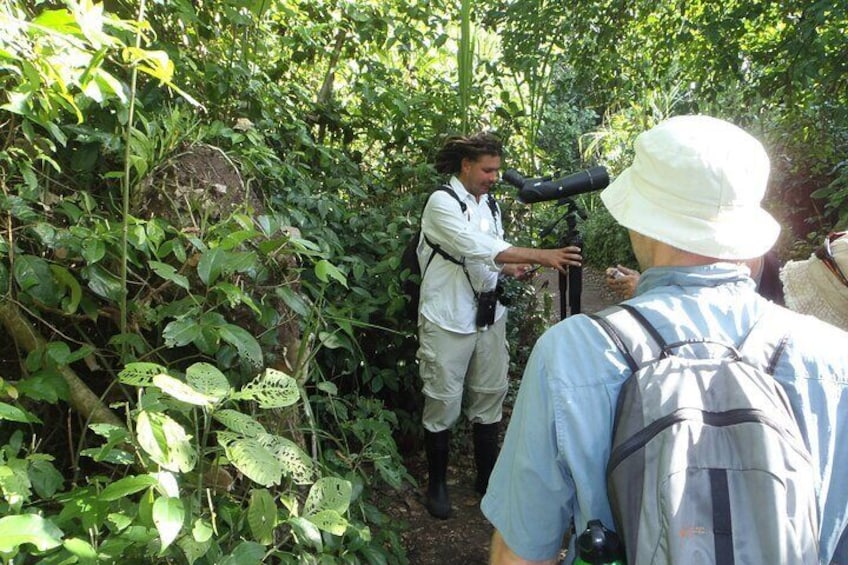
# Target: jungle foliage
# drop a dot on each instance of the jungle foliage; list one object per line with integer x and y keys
{"x": 203, "y": 354}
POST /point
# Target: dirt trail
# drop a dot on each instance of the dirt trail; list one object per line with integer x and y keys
{"x": 463, "y": 539}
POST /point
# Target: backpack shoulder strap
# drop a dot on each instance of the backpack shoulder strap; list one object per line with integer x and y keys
{"x": 633, "y": 335}
{"x": 766, "y": 340}
{"x": 435, "y": 246}
{"x": 493, "y": 205}
{"x": 449, "y": 190}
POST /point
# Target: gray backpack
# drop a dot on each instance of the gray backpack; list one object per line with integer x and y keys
{"x": 707, "y": 463}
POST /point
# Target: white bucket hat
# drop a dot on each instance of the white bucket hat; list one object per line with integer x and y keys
{"x": 696, "y": 183}
{"x": 810, "y": 287}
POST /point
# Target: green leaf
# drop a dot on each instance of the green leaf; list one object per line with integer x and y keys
{"x": 294, "y": 301}
{"x": 236, "y": 296}
{"x": 211, "y": 264}
{"x": 93, "y": 250}
{"x": 328, "y": 493}
{"x": 306, "y": 532}
{"x": 35, "y": 278}
{"x": 262, "y": 515}
{"x": 238, "y": 422}
{"x": 140, "y": 374}
{"x": 181, "y": 391}
{"x": 245, "y": 553}
{"x": 28, "y": 528}
{"x": 68, "y": 281}
{"x": 272, "y": 389}
{"x": 181, "y": 332}
{"x": 80, "y": 548}
{"x": 193, "y": 549}
{"x": 103, "y": 283}
{"x": 330, "y": 521}
{"x": 324, "y": 269}
{"x": 168, "y": 515}
{"x": 45, "y": 479}
{"x": 165, "y": 441}
{"x": 169, "y": 273}
{"x": 15, "y": 414}
{"x": 295, "y": 462}
{"x": 247, "y": 346}
{"x": 126, "y": 486}
{"x": 254, "y": 461}
{"x": 202, "y": 531}
{"x": 207, "y": 379}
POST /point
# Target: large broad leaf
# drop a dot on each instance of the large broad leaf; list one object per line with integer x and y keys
{"x": 329, "y": 521}
{"x": 272, "y": 389}
{"x": 296, "y": 463}
{"x": 64, "y": 277}
{"x": 239, "y": 422}
{"x": 324, "y": 270}
{"x": 247, "y": 345}
{"x": 126, "y": 486}
{"x": 168, "y": 515}
{"x": 245, "y": 553}
{"x": 140, "y": 374}
{"x": 103, "y": 282}
{"x": 209, "y": 380}
{"x": 34, "y": 277}
{"x": 81, "y": 549}
{"x": 165, "y": 441}
{"x": 45, "y": 479}
{"x": 211, "y": 265}
{"x": 254, "y": 461}
{"x": 169, "y": 273}
{"x": 306, "y": 532}
{"x": 262, "y": 515}
{"x": 15, "y": 414}
{"x": 193, "y": 549}
{"x": 181, "y": 391}
{"x": 181, "y": 332}
{"x": 28, "y": 528}
{"x": 328, "y": 493}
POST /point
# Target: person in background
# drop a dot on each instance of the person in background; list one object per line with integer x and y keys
{"x": 463, "y": 354}
{"x": 691, "y": 201}
{"x": 818, "y": 286}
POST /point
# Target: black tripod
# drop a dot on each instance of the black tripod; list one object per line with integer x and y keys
{"x": 570, "y": 284}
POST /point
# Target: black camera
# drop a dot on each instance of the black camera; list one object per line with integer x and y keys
{"x": 487, "y": 303}
{"x": 546, "y": 188}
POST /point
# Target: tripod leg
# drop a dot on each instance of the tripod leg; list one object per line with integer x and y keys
{"x": 575, "y": 288}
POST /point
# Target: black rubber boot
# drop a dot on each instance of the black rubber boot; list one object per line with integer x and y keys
{"x": 485, "y": 453}
{"x": 438, "y": 448}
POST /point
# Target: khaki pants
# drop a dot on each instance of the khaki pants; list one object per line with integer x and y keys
{"x": 451, "y": 363}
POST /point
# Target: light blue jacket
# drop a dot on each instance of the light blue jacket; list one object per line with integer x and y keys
{"x": 551, "y": 469}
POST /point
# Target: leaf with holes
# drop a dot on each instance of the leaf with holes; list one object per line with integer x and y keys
{"x": 272, "y": 389}
{"x": 329, "y": 521}
{"x": 247, "y": 346}
{"x": 208, "y": 380}
{"x": 328, "y": 493}
{"x": 239, "y": 422}
{"x": 140, "y": 374}
{"x": 165, "y": 441}
{"x": 181, "y": 391}
{"x": 296, "y": 463}
{"x": 254, "y": 461}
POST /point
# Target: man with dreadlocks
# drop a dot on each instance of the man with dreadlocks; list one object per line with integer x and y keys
{"x": 461, "y": 326}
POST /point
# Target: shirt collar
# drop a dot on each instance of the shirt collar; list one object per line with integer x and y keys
{"x": 714, "y": 274}
{"x": 459, "y": 188}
